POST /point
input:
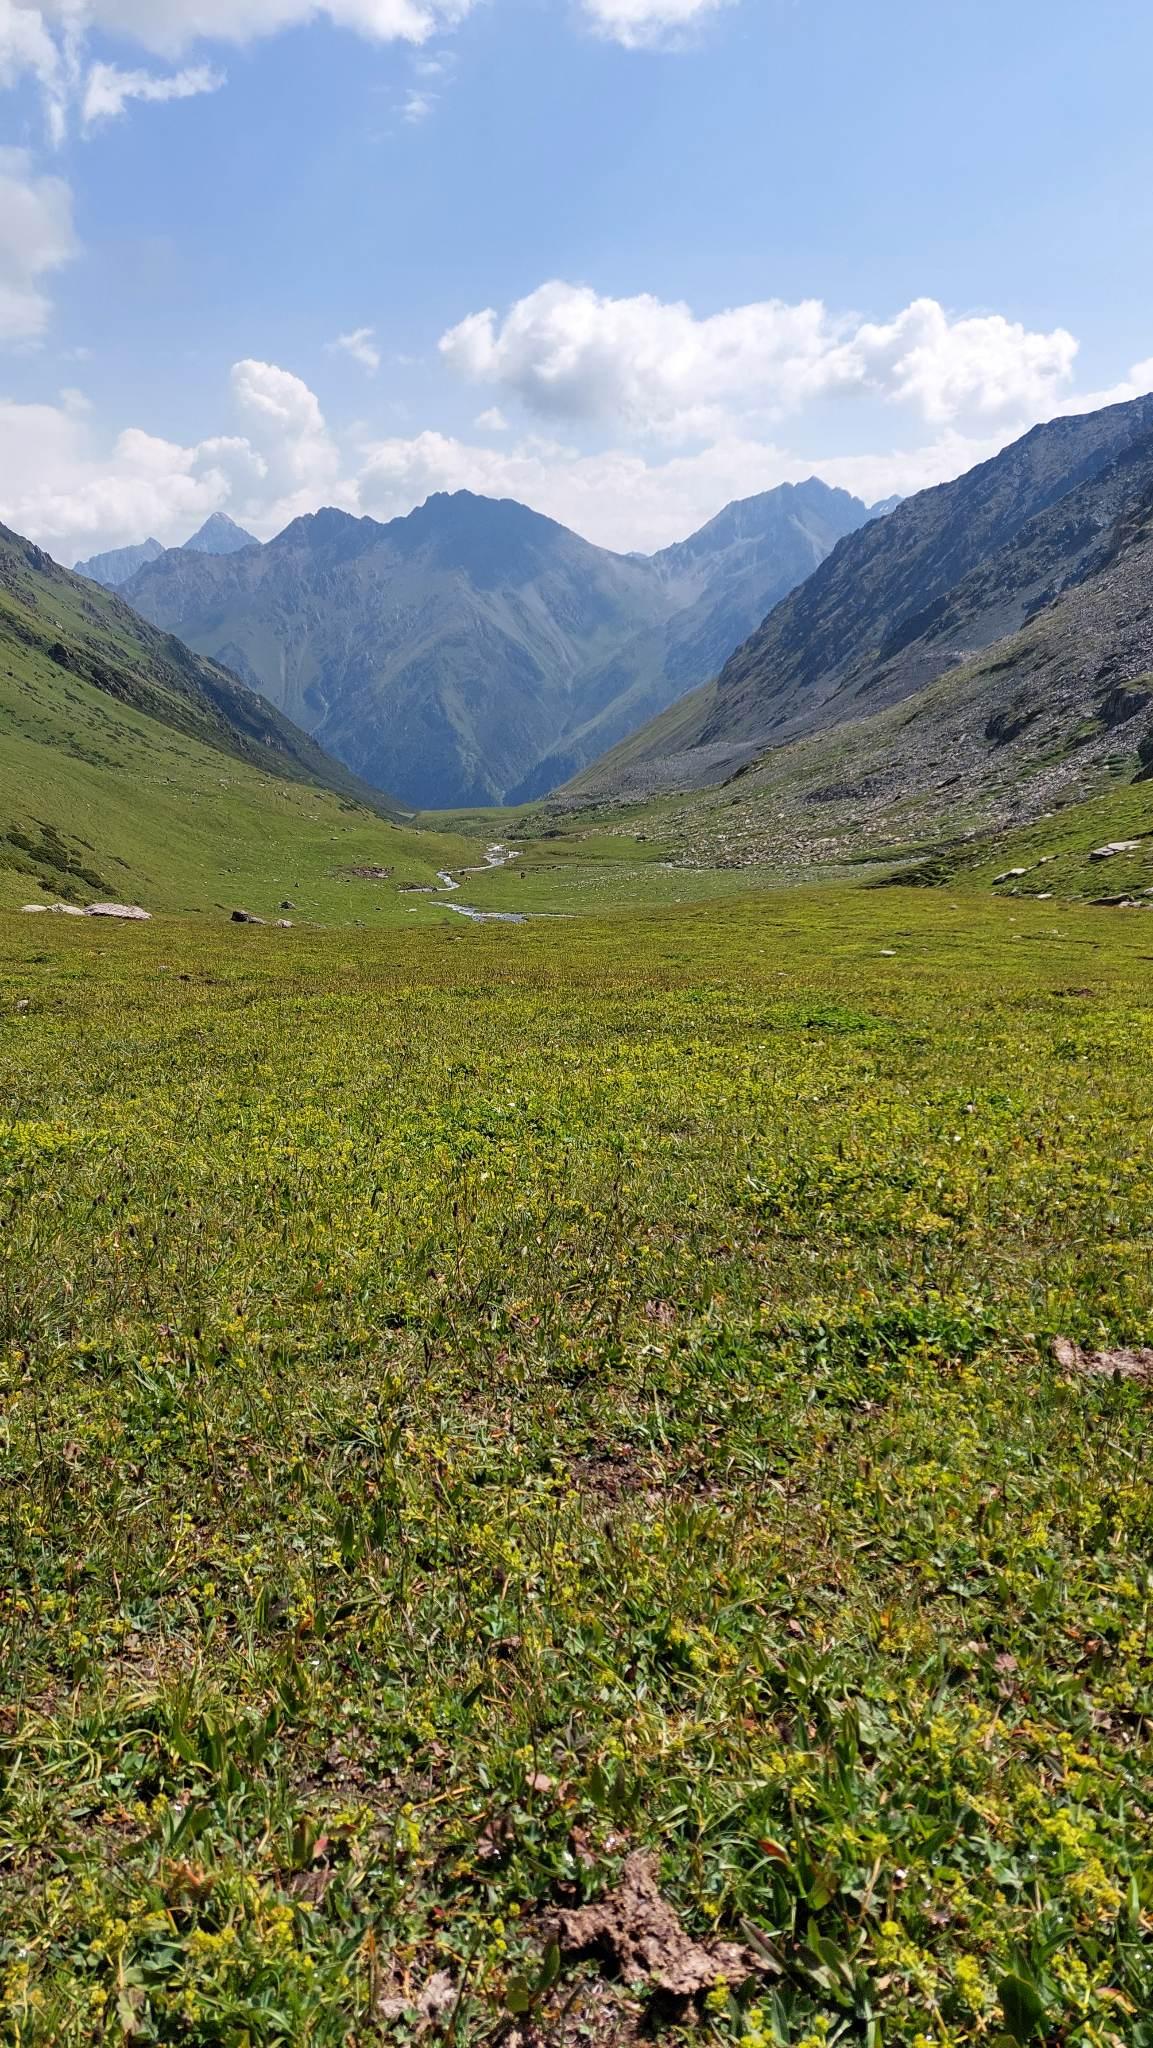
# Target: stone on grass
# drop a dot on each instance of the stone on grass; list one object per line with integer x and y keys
{"x": 131, "y": 911}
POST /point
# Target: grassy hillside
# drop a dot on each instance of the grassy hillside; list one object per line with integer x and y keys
{"x": 52, "y": 618}
{"x": 132, "y": 769}
{"x": 482, "y": 1403}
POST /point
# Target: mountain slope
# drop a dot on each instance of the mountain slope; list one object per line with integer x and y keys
{"x": 95, "y": 637}
{"x": 942, "y": 576}
{"x": 474, "y": 650}
{"x": 724, "y": 579}
{"x": 438, "y": 654}
{"x": 130, "y": 765}
{"x": 1048, "y": 717}
{"x": 220, "y": 535}
{"x": 115, "y": 567}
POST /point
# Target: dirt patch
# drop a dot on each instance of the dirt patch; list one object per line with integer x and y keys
{"x": 613, "y": 1475}
{"x": 1104, "y": 1365}
{"x": 635, "y": 1932}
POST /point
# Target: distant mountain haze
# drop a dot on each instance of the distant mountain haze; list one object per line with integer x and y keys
{"x": 475, "y": 652}
{"x": 115, "y": 567}
{"x": 219, "y": 535}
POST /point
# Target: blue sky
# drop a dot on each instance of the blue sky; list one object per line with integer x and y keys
{"x": 625, "y": 259}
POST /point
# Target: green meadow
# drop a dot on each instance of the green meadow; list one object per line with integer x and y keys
{"x": 480, "y": 1401}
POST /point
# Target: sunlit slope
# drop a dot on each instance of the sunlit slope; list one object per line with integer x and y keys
{"x": 129, "y": 769}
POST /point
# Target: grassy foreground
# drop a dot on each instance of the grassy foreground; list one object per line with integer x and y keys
{"x": 478, "y": 1400}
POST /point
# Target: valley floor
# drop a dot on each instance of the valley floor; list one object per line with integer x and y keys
{"x": 478, "y": 1401}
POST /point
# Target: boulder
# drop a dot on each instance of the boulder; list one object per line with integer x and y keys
{"x": 245, "y": 917}
{"x": 131, "y": 911}
{"x": 1114, "y": 846}
{"x": 1010, "y": 875}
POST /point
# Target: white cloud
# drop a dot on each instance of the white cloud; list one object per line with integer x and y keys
{"x": 60, "y": 490}
{"x": 107, "y": 89}
{"x": 287, "y": 434}
{"x": 361, "y": 346}
{"x": 36, "y": 238}
{"x": 47, "y": 40}
{"x": 417, "y": 106}
{"x": 568, "y": 353}
{"x": 27, "y": 49}
{"x": 622, "y": 499}
{"x": 64, "y": 488}
{"x": 169, "y": 26}
{"x": 492, "y": 421}
{"x": 645, "y": 24}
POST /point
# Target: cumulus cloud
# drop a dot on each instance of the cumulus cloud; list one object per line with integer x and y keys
{"x": 361, "y": 346}
{"x": 566, "y": 352}
{"x": 36, "y": 238}
{"x": 621, "y": 498}
{"x": 107, "y": 89}
{"x": 64, "y": 487}
{"x": 645, "y": 24}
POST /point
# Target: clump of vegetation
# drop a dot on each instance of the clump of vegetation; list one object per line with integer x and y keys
{"x": 479, "y": 1405}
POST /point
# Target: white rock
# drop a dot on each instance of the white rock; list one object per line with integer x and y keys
{"x": 131, "y": 910}
{"x": 1010, "y": 875}
{"x": 33, "y": 909}
{"x": 1114, "y": 846}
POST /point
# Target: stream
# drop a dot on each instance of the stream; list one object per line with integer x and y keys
{"x": 495, "y": 857}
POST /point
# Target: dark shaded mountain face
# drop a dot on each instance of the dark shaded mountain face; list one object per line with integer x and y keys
{"x": 77, "y": 629}
{"x": 220, "y": 535}
{"x": 474, "y": 652}
{"x": 909, "y": 596}
{"x": 115, "y": 567}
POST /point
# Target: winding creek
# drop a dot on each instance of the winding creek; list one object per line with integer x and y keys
{"x": 495, "y": 857}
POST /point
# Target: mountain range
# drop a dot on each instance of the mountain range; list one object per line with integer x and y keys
{"x": 972, "y": 653}
{"x": 219, "y": 535}
{"x": 475, "y": 652}
{"x": 921, "y": 594}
